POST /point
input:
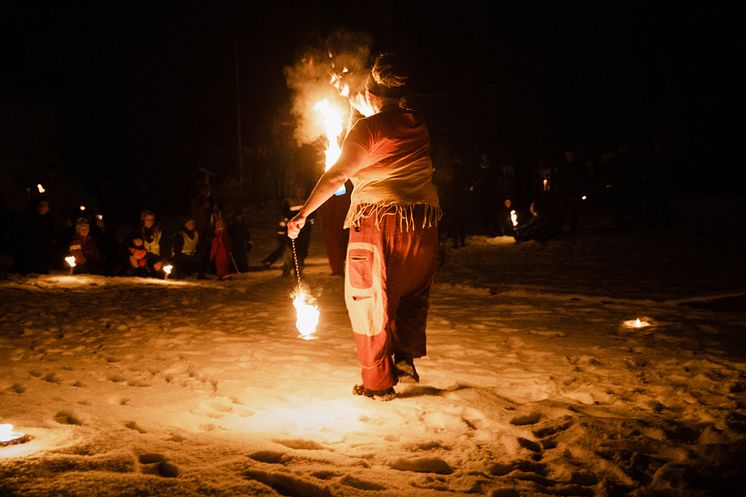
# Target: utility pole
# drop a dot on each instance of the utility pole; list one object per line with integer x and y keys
{"x": 239, "y": 141}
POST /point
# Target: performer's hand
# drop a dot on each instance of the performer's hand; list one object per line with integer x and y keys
{"x": 295, "y": 225}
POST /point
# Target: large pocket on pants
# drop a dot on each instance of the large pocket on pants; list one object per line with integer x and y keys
{"x": 364, "y": 289}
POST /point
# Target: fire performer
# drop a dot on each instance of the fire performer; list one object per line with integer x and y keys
{"x": 393, "y": 243}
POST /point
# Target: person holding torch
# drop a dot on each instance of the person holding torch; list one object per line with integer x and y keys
{"x": 393, "y": 220}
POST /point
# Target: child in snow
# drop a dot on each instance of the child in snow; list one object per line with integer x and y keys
{"x": 185, "y": 251}
{"x": 537, "y": 228}
{"x": 220, "y": 250}
{"x": 83, "y": 247}
{"x": 141, "y": 262}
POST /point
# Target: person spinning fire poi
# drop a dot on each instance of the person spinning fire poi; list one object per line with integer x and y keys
{"x": 393, "y": 243}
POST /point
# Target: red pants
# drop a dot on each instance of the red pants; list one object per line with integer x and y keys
{"x": 387, "y": 290}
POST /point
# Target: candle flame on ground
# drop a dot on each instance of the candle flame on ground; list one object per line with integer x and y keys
{"x": 8, "y": 435}
{"x": 636, "y": 323}
{"x": 307, "y": 314}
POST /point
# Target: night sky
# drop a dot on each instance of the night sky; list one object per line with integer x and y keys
{"x": 142, "y": 94}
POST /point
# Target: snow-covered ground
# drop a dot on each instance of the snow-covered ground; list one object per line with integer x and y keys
{"x": 532, "y": 384}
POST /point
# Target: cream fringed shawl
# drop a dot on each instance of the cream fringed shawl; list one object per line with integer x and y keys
{"x": 398, "y": 177}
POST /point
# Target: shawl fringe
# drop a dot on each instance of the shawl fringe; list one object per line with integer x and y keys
{"x": 404, "y": 213}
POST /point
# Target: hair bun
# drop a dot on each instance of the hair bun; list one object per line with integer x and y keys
{"x": 388, "y": 77}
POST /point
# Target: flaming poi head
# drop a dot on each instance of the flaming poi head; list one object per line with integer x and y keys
{"x": 70, "y": 260}
{"x": 514, "y": 218}
{"x": 307, "y": 313}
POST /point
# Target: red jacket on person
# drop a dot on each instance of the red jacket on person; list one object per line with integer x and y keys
{"x": 85, "y": 250}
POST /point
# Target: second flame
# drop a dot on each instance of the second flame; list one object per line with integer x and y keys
{"x": 307, "y": 314}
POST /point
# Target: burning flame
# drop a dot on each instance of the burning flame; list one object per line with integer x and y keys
{"x": 307, "y": 314}
{"x": 361, "y": 104}
{"x": 40, "y": 188}
{"x": 168, "y": 268}
{"x": 8, "y": 435}
{"x": 82, "y": 208}
{"x": 331, "y": 122}
{"x": 70, "y": 261}
{"x": 636, "y": 323}
{"x": 514, "y": 218}
{"x": 358, "y": 100}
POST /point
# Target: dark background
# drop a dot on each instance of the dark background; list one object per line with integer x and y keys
{"x": 134, "y": 99}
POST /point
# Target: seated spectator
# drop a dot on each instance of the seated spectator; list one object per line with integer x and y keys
{"x": 141, "y": 262}
{"x": 83, "y": 247}
{"x": 151, "y": 232}
{"x": 537, "y": 228}
{"x": 220, "y": 250}
{"x": 185, "y": 251}
{"x": 505, "y": 220}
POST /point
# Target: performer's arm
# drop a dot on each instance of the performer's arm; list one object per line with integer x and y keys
{"x": 349, "y": 163}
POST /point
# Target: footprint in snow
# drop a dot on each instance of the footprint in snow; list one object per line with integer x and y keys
{"x": 270, "y": 457}
{"x": 351, "y": 481}
{"x": 68, "y": 418}
{"x": 285, "y": 484}
{"x": 156, "y": 464}
{"x": 134, "y": 426}
{"x": 528, "y": 419}
{"x": 301, "y": 444}
{"x": 422, "y": 465}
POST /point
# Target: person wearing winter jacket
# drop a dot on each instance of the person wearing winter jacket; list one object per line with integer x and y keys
{"x": 220, "y": 250}
{"x": 85, "y": 250}
{"x": 185, "y": 250}
{"x": 141, "y": 261}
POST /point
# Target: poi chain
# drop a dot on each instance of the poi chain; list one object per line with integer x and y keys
{"x": 295, "y": 258}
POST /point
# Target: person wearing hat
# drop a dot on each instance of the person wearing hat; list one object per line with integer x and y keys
{"x": 393, "y": 243}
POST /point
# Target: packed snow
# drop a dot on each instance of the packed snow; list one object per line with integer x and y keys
{"x": 533, "y": 385}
